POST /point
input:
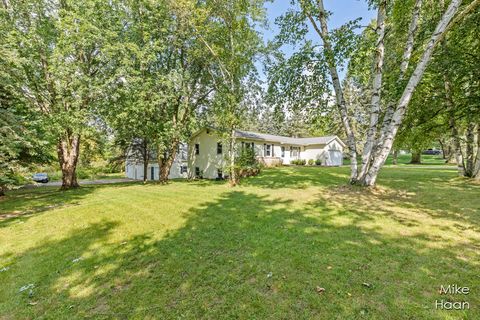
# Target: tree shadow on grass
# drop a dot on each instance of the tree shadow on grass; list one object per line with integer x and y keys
{"x": 437, "y": 192}
{"x": 20, "y": 205}
{"x": 298, "y": 177}
{"x": 242, "y": 256}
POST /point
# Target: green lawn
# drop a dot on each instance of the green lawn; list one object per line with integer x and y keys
{"x": 404, "y": 159}
{"x": 195, "y": 250}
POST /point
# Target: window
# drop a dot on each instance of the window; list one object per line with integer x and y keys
{"x": 219, "y": 148}
{"x": 152, "y": 173}
{"x": 283, "y": 152}
{"x": 219, "y": 173}
{"x": 268, "y": 150}
{"x": 183, "y": 169}
{"x": 294, "y": 152}
{"x": 197, "y": 148}
{"x": 197, "y": 172}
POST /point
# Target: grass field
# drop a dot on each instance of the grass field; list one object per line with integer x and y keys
{"x": 404, "y": 160}
{"x": 263, "y": 250}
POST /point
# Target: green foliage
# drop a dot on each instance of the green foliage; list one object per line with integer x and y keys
{"x": 318, "y": 162}
{"x": 311, "y": 162}
{"x": 298, "y": 162}
{"x": 247, "y": 158}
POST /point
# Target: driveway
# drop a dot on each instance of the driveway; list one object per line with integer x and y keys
{"x": 81, "y": 182}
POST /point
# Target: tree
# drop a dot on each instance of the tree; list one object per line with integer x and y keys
{"x": 390, "y": 96}
{"x": 164, "y": 79}
{"x": 22, "y": 140}
{"x": 231, "y": 39}
{"x": 53, "y": 51}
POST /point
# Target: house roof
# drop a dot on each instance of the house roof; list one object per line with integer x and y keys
{"x": 286, "y": 140}
{"x": 250, "y": 135}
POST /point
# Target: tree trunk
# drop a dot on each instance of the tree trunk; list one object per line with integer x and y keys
{"x": 395, "y": 157}
{"x": 340, "y": 99}
{"x": 2, "y": 191}
{"x": 68, "y": 151}
{"x": 168, "y": 161}
{"x": 146, "y": 159}
{"x": 457, "y": 147}
{"x": 388, "y": 136}
{"x": 232, "y": 154}
{"x": 444, "y": 150}
{"x": 476, "y": 170}
{"x": 376, "y": 90}
{"x": 470, "y": 156}
{"x": 416, "y": 157}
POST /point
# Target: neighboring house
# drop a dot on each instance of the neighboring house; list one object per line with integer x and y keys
{"x": 134, "y": 165}
{"x": 207, "y": 151}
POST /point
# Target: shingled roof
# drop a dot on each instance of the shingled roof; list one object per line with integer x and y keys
{"x": 285, "y": 140}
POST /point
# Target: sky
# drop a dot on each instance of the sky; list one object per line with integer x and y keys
{"x": 342, "y": 12}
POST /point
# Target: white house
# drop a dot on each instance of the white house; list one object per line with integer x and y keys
{"x": 206, "y": 152}
{"x": 134, "y": 166}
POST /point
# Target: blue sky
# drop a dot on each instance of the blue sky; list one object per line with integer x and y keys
{"x": 342, "y": 12}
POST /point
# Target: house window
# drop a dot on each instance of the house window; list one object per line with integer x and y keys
{"x": 294, "y": 152}
{"x": 220, "y": 173}
{"x": 219, "y": 148}
{"x": 268, "y": 150}
{"x": 283, "y": 152}
{"x": 152, "y": 173}
{"x": 197, "y": 148}
{"x": 183, "y": 169}
{"x": 197, "y": 172}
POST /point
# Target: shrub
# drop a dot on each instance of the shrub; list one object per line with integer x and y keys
{"x": 298, "y": 162}
{"x": 318, "y": 162}
{"x": 311, "y": 162}
{"x": 247, "y": 164}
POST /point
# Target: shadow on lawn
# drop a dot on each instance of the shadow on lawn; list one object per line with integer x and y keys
{"x": 241, "y": 256}
{"x": 299, "y": 177}
{"x": 412, "y": 189}
{"x": 20, "y": 205}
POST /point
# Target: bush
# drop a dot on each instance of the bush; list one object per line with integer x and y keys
{"x": 311, "y": 162}
{"x": 247, "y": 164}
{"x": 318, "y": 162}
{"x": 298, "y": 162}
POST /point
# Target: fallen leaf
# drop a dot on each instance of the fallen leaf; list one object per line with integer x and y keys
{"x": 368, "y": 285}
{"x": 32, "y": 303}
{"x": 320, "y": 290}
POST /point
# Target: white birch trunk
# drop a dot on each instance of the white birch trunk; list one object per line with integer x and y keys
{"x": 407, "y": 54}
{"x": 376, "y": 90}
{"x": 340, "y": 100}
{"x": 389, "y": 135}
{"x": 412, "y": 29}
{"x": 476, "y": 170}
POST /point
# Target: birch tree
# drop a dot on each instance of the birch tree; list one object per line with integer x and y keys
{"x": 229, "y": 35}
{"x": 389, "y": 101}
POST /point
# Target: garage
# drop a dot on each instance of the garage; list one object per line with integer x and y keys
{"x": 334, "y": 158}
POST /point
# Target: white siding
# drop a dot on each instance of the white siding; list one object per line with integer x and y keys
{"x": 207, "y": 160}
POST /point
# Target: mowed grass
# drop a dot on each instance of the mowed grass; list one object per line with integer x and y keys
{"x": 195, "y": 250}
